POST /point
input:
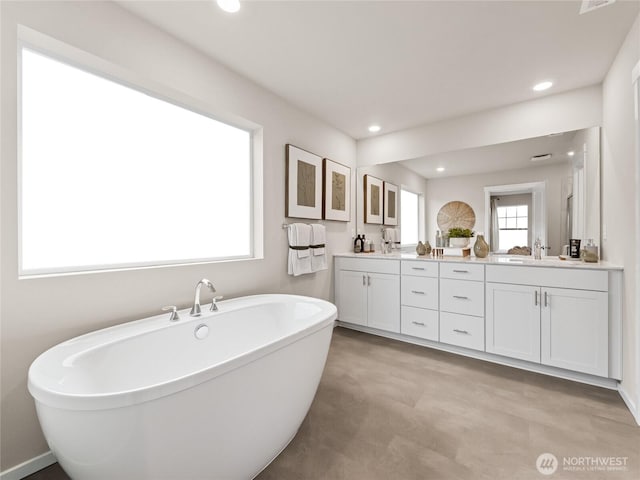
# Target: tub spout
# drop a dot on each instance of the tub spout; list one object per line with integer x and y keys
{"x": 195, "y": 310}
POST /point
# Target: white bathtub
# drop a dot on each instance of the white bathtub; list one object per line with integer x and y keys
{"x": 148, "y": 400}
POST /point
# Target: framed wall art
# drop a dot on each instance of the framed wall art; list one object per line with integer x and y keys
{"x": 390, "y": 204}
{"x": 336, "y": 191}
{"x": 303, "y": 184}
{"x": 372, "y": 199}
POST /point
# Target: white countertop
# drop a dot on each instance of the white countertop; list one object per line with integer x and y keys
{"x": 511, "y": 260}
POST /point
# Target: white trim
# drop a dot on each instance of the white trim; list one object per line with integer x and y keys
{"x": 609, "y": 383}
{"x": 29, "y": 467}
{"x": 629, "y": 403}
{"x": 635, "y": 78}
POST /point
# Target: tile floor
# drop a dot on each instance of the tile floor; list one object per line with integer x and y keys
{"x": 387, "y": 410}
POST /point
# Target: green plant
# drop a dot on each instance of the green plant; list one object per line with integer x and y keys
{"x": 457, "y": 232}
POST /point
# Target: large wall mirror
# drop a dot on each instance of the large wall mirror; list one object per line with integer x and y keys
{"x": 547, "y": 187}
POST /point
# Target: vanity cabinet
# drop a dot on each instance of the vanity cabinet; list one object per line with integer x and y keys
{"x": 419, "y": 299}
{"x": 553, "y": 319}
{"x": 539, "y": 320}
{"x": 368, "y": 292}
{"x": 462, "y": 305}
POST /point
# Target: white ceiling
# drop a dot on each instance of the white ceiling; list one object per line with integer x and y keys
{"x": 397, "y": 63}
{"x": 494, "y": 158}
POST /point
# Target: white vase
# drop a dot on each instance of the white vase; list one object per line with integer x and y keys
{"x": 458, "y": 242}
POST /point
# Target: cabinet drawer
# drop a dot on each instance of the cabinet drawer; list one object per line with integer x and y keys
{"x": 420, "y": 292}
{"x": 363, "y": 264}
{"x": 567, "y": 277}
{"x": 463, "y": 271}
{"x": 419, "y": 322}
{"x": 461, "y": 296}
{"x": 462, "y": 330}
{"x": 420, "y": 268}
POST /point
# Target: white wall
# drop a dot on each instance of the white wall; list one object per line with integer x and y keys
{"x": 393, "y": 173}
{"x": 470, "y": 189}
{"x": 563, "y": 112}
{"x": 619, "y": 165}
{"x": 39, "y": 313}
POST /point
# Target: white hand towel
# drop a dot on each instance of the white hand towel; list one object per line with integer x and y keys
{"x": 299, "y": 235}
{"x": 318, "y": 253}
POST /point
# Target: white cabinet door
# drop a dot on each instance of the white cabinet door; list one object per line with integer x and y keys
{"x": 351, "y": 297}
{"x": 513, "y": 321}
{"x": 575, "y": 330}
{"x": 384, "y": 301}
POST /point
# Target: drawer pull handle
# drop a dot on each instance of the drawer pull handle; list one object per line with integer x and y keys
{"x": 368, "y": 280}
{"x": 546, "y": 301}
{"x": 461, "y": 331}
{"x": 417, "y": 292}
{"x": 418, "y": 323}
{"x": 460, "y": 298}
{"x": 417, "y": 268}
{"x": 535, "y": 298}
{"x": 461, "y": 271}
{"x": 364, "y": 280}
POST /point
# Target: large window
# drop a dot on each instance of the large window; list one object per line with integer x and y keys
{"x": 513, "y": 223}
{"x": 113, "y": 177}
{"x": 409, "y": 217}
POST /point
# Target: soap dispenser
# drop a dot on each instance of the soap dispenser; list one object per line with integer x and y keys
{"x": 537, "y": 249}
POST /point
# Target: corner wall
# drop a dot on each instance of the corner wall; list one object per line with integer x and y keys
{"x": 39, "y": 313}
{"x": 619, "y": 165}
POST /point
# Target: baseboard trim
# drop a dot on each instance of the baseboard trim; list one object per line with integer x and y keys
{"x": 629, "y": 403}
{"x": 29, "y": 467}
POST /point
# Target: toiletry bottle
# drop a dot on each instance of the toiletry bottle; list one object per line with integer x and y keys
{"x": 357, "y": 246}
{"x": 438, "y": 239}
{"x": 363, "y": 242}
{"x": 537, "y": 249}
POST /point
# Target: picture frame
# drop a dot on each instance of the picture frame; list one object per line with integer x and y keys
{"x": 373, "y": 200}
{"x": 390, "y": 204}
{"x": 336, "y": 191}
{"x": 303, "y": 183}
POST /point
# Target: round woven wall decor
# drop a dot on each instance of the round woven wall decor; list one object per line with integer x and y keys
{"x": 456, "y": 214}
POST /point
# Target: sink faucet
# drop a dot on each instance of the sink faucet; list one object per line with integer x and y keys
{"x": 195, "y": 310}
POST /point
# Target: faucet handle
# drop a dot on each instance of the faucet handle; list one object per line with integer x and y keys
{"x": 174, "y": 312}
{"x": 214, "y": 306}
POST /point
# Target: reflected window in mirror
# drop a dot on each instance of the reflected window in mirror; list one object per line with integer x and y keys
{"x": 410, "y": 217}
{"x": 513, "y": 224}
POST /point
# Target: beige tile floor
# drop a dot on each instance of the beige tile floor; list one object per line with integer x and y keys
{"x": 389, "y": 410}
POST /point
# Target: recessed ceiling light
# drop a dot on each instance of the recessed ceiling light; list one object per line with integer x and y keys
{"x": 542, "y": 86}
{"x": 440, "y": 169}
{"x": 374, "y": 128}
{"x": 231, "y": 6}
{"x": 571, "y": 153}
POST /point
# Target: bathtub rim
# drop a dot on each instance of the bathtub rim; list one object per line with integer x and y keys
{"x": 103, "y": 401}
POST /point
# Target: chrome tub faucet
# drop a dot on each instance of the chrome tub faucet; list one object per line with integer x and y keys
{"x": 195, "y": 310}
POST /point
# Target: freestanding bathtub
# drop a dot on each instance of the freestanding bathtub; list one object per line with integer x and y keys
{"x": 151, "y": 400}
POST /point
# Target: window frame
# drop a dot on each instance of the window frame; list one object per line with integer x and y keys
{"x": 76, "y": 58}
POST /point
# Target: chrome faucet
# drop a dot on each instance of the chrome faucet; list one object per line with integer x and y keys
{"x": 195, "y": 310}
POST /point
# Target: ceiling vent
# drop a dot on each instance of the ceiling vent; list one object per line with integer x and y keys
{"x": 539, "y": 158}
{"x": 590, "y": 5}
